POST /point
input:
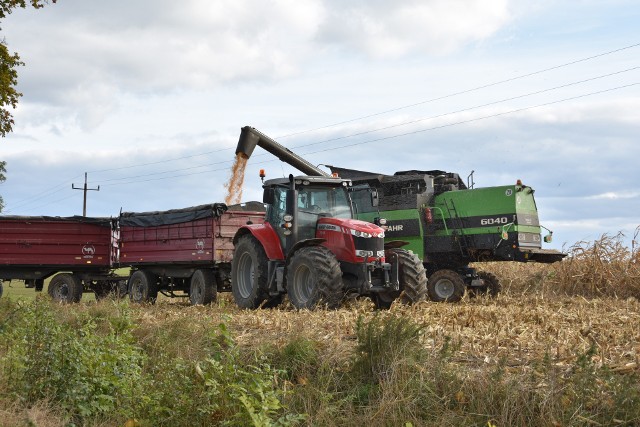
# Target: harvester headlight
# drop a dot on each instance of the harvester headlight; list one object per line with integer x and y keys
{"x": 287, "y": 232}
{"x": 288, "y": 218}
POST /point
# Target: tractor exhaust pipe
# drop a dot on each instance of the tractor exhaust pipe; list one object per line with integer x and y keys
{"x": 250, "y": 137}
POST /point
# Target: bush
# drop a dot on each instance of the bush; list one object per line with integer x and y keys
{"x": 84, "y": 372}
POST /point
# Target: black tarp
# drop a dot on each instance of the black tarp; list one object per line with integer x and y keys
{"x": 173, "y": 216}
{"x": 101, "y": 221}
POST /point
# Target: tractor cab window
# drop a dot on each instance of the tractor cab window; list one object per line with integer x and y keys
{"x": 276, "y": 211}
{"x": 324, "y": 201}
{"x": 313, "y": 203}
{"x": 317, "y": 202}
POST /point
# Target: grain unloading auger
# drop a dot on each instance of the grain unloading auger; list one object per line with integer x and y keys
{"x": 311, "y": 247}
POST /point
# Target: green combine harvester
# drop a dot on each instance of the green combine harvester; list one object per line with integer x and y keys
{"x": 449, "y": 224}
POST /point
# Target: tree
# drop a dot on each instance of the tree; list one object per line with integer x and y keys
{"x": 2, "y": 178}
{"x": 9, "y": 62}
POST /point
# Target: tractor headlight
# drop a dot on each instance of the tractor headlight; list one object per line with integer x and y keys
{"x": 361, "y": 234}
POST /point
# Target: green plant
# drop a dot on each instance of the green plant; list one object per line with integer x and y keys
{"x": 85, "y": 371}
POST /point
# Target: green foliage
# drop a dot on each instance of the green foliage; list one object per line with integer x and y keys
{"x": 106, "y": 363}
{"x": 3, "y": 170}
{"x": 223, "y": 388}
{"x": 298, "y": 359}
{"x": 8, "y": 67}
{"x": 384, "y": 343}
{"x": 7, "y": 6}
{"x": 85, "y": 371}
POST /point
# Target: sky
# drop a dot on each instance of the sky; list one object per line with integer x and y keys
{"x": 148, "y": 98}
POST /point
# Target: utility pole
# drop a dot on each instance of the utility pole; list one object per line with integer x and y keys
{"x": 85, "y": 189}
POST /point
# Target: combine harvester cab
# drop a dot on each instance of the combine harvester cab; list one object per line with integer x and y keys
{"x": 449, "y": 225}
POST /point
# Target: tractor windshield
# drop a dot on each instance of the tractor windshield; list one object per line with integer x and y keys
{"x": 325, "y": 201}
{"x": 313, "y": 202}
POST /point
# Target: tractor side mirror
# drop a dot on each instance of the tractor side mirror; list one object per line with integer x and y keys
{"x": 268, "y": 196}
{"x": 374, "y": 199}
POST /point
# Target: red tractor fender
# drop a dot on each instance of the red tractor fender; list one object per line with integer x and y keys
{"x": 267, "y": 237}
{"x": 303, "y": 244}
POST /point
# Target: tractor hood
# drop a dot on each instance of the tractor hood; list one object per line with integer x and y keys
{"x": 351, "y": 226}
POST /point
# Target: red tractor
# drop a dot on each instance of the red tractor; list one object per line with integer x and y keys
{"x": 311, "y": 248}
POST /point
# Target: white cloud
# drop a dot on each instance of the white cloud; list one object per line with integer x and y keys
{"x": 385, "y": 29}
{"x": 614, "y": 195}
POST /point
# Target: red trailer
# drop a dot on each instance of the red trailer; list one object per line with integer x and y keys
{"x": 183, "y": 250}
{"x": 78, "y": 252}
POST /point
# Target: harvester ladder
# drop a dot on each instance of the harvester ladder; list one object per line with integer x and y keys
{"x": 457, "y": 226}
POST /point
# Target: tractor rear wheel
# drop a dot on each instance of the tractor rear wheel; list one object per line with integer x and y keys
{"x": 65, "y": 288}
{"x": 143, "y": 287}
{"x": 314, "y": 278}
{"x": 445, "y": 285}
{"x": 491, "y": 287}
{"x": 202, "y": 290}
{"x": 413, "y": 281}
{"x": 249, "y": 273}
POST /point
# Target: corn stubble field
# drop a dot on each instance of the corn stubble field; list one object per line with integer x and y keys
{"x": 560, "y": 346}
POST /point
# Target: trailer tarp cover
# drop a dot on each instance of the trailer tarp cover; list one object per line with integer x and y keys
{"x": 101, "y": 221}
{"x": 173, "y": 216}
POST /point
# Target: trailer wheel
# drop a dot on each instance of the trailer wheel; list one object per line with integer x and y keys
{"x": 65, "y": 288}
{"x": 143, "y": 287}
{"x": 202, "y": 290}
{"x": 413, "y": 281}
{"x": 249, "y": 273}
{"x": 491, "y": 287}
{"x": 314, "y": 277}
{"x": 445, "y": 285}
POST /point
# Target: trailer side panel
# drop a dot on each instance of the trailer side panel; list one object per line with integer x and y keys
{"x": 62, "y": 243}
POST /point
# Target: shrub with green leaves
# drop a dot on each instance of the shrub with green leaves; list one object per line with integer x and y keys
{"x": 85, "y": 371}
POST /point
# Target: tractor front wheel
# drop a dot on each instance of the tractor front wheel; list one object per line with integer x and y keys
{"x": 413, "y": 281}
{"x": 445, "y": 285}
{"x": 314, "y": 278}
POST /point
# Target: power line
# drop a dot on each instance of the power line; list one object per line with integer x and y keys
{"x": 386, "y": 127}
{"x": 475, "y": 119}
{"x": 410, "y": 133}
{"x": 461, "y": 92}
{"x": 465, "y": 109}
{"x": 48, "y": 192}
{"x": 160, "y": 161}
{"x": 373, "y": 115}
{"x": 391, "y": 110}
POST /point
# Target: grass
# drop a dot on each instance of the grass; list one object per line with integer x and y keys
{"x": 558, "y": 347}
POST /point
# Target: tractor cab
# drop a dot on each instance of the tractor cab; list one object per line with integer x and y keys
{"x": 295, "y": 205}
